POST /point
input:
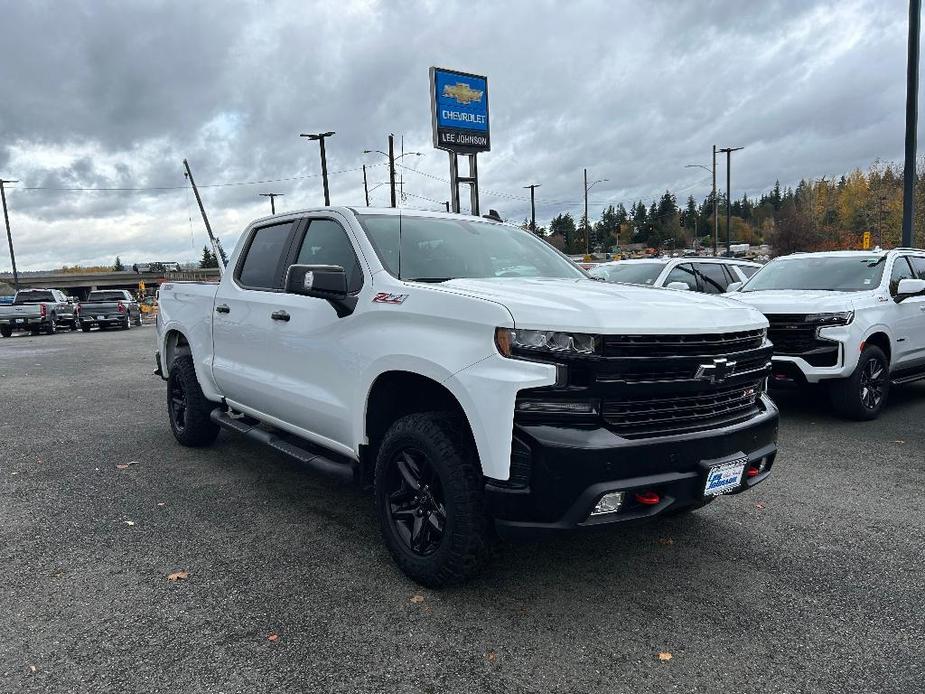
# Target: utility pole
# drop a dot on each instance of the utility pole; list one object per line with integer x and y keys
{"x": 272, "y": 197}
{"x": 715, "y": 207}
{"x": 202, "y": 210}
{"x": 912, "y": 118}
{"x": 533, "y": 187}
{"x": 324, "y": 160}
{"x": 392, "y": 166}
{"x": 365, "y": 186}
{"x": 9, "y": 234}
{"x": 729, "y": 151}
{"x": 880, "y": 201}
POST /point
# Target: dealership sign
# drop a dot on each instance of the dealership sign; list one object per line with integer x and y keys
{"x": 459, "y": 104}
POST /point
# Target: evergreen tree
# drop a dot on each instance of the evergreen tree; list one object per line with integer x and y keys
{"x": 208, "y": 259}
{"x": 563, "y": 225}
{"x": 118, "y": 266}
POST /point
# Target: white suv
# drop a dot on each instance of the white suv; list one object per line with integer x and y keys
{"x": 708, "y": 275}
{"x": 854, "y": 319}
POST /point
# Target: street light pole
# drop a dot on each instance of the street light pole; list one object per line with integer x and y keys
{"x": 324, "y": 160}
{"x": 392, "y": 167}
{"x": 715, "y": 207}
{"x": 9, "y": 234}
{"x": 729, "y": 151}
{"x": 532, "y": 188}
{"x": 912, "y": 117}
{"x": 365, "y": 185}
{"x": 272, "y": 197}
{"x": 587, "y": 223}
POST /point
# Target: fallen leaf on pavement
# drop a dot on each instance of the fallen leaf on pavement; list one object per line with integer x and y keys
{"x": 759, "y": 505}
{"x": 32, "y": 668}
{"x": 273, "y": 637}
{"x": 178, "y": 576}
{"x": 893, "y": 442}
{"x": 664, "y": 656}
{"x": 161, "y": 503}
{"x": 125, "y": 466}
{"x": 491, "y": 657}
{"x": 416, "y": 599}
{"x": 665, "y": 541}
{"x": 129, "y": 522}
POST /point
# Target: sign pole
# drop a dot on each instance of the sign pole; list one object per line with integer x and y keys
{"x": 474, "y": 184}
{"x": 454, "y": 182}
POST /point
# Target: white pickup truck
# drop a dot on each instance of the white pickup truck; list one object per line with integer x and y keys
{"x": 854, "y": 320}
{"x": 478, "y": 380}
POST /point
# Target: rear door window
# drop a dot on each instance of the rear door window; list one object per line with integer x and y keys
{"x": 713, "y": 277}
{"x": 261, "y": 267}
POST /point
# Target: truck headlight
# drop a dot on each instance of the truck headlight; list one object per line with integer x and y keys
{"x": 546, "y": 341}
{"x": 839, "y": 318}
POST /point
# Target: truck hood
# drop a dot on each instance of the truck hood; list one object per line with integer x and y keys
{"x": 589, "y": 306}
{"x": 798, "y": 300}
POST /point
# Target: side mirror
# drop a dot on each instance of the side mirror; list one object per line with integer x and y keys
{"x": 908, "y": 288}
{"x": 734, "y": 287}
{"x": 322, "y": 282}
{"x": 678, "y": 285}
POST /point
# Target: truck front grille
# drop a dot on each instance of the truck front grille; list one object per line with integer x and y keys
{"x": 793, "y": 336}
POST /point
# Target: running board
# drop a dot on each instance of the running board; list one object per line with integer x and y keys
{"x": 249, "y": 428}
{"x": 908, "y": 378}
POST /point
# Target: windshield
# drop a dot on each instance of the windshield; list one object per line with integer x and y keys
{"x": 33, "y": 297}
{"x": 631, "y": 273}
{"x": 106, "y": 296}
{"x": 435, "y": 249}
{"x": 826, "y": 273}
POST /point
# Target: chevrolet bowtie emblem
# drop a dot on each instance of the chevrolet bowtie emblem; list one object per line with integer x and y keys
{"x": 717, "y": 372}
{"x": 462, "y": 93}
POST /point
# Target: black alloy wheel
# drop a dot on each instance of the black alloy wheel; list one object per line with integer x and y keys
{"x": 416, "y": 502}
{"x": 873, "y": 383}
{"x": 179, "y": 404}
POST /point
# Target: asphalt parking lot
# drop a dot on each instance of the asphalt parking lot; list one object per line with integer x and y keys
{"x": 813, "y": 583}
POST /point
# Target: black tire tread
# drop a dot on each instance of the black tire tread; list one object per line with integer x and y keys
{"x": 470, "y": 543}
{"x": 844, "y": 393}
{"x": 200, "y": 430}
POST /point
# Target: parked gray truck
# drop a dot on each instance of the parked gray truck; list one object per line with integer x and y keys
{"x": 109, "y": 308}
{"x": 38, "y": 310}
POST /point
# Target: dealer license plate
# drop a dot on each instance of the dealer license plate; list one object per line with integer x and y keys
{"x": 19, "y": 320}
{"x": 724, "y": 478}
{"x": 101, "y": 317}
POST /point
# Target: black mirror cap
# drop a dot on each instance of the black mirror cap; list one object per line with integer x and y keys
{"x": 321, "y": 281}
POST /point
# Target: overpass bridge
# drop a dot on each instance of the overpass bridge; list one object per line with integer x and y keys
{"x": 80, "y": 284}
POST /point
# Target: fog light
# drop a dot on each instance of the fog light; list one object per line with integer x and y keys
{"x": 556, "y": 406}
{"x": 609, "y": 503}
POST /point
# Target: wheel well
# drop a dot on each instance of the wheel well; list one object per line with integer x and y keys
{"x": 882, "y": 341}
{"x": 395, "y": 394}
{"x": 175, "y": 344}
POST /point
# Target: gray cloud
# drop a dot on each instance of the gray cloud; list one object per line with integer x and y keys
{"x": 115, "y": 95}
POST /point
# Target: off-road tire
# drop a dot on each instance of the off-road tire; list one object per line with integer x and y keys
{"x": 138, "y": 321}
{"x": 127, "y": 325}
{"x": 85, "y": 328}
{"x": 6, "y": 331}
{"x": 194, "y": 427}
{"x": 52, "y": 327}
{"x": 851, "y": 397}
{"x": 75, "y": 325}
{"x": 466, "y": 542}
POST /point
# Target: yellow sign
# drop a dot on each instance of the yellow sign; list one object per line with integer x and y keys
{"x": 141, "y": 286}
{"x": 462, "y": 92}
{"x": 865, "y": 244}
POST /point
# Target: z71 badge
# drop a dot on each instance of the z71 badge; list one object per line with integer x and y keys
{"x": 386, "y": 298}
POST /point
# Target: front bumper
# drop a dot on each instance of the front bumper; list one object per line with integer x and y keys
{"x": 571, "y": 468}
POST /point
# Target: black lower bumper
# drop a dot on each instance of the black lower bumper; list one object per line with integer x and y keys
{"x": 570, "y": 469}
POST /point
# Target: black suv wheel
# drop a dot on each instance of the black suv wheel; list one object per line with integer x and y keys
{"x": 430, "y": 500}
{"x": 862, "y": 395}
{"x": 187, "y": 407}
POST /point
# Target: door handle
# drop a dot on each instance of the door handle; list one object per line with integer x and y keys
{"x": 222, "y": 308}
{"x": 279, "y": 315}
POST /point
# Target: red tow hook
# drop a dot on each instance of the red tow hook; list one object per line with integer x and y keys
{"x": 752, "y": 471}
{"x": 648, "y": 497}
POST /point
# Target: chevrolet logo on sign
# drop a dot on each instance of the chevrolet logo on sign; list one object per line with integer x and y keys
{"x": 462, "y": 93}
{"x": 717, "y": 372}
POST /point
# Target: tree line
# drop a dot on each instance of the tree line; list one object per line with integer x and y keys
{"x": 825, "y": 213}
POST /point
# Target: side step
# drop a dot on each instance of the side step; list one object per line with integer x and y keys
{"x": 345, "y": 471}
{"x": 908, "y": 376}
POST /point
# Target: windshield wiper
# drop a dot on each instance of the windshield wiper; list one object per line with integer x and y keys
{"x": 435, "y": 280}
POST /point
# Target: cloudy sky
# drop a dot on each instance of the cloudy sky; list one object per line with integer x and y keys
{"x": 99, "y": 94}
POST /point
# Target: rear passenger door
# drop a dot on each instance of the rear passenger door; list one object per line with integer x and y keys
{"x": 244, "y": 334}
{"x": 913, "y": 310}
